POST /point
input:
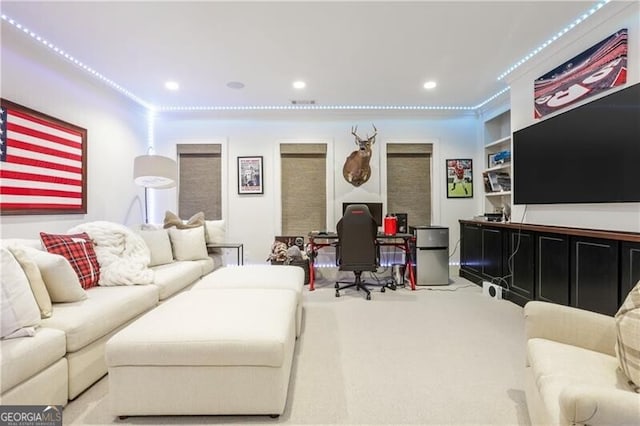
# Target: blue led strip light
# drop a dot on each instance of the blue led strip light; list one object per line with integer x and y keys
{"x": 76, "y": 62}
{"x": 151, "y": 107}
{"x": 555, "y": 37}
{"x": 315, "y": 107}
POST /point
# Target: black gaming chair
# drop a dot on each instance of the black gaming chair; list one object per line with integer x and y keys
{"x": 357, "y": 250}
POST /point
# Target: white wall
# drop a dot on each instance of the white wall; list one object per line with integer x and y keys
{"x": 116, "y": 132}
{"x": 610, "y": 216}
{"x": 255, "y": 220}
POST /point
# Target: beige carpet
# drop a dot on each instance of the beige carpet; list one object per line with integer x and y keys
{"x": 442, "y": 355}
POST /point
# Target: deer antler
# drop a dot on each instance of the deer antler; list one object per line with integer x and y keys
{"x": 353, "y": 132}
{"x": 375, "y": 132}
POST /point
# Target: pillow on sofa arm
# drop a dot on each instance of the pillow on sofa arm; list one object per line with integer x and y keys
{"x": 19, "y": 312}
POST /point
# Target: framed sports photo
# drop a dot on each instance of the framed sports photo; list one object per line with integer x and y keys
{"x": 250, "y": 175}
{"x": 460, "y": 178}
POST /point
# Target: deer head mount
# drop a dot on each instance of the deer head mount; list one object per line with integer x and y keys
{"x": 356, "y": 169}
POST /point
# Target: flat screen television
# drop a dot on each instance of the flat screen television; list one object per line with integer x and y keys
{"x": 590, "y": 154}
{"x": 374, "y": 208}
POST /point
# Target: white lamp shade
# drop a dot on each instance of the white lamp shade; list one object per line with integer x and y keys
{"x": 154, "y": 171}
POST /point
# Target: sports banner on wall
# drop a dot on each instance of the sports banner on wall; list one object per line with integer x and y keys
{"x": 595, "y": 70}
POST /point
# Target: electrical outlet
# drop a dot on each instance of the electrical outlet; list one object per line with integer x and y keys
{"x": 492, "y": 290}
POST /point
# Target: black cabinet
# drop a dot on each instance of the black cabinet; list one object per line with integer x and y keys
{"x": 594, "y": 274}
{"x": 552, "y": 279}
{"x": 492, "y": 253}
{"x": 588, "y": 269}
{"x": 471, "y": 252}
{"x": 629, "y": 268}
{"x": 481, "y": 251}
{"x": 520, "y": 261}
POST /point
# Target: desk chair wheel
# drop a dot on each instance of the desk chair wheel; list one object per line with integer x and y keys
{"x": 368, "y": 297}
{"x": 337, "y": 293}
{"x": 382, "y": 290}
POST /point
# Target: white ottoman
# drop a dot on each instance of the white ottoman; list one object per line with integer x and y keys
{"x": 258, "y": 276}
{"x": 205, "y": 352}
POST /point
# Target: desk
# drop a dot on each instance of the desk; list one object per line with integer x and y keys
{"x": 238, "y": 246}
{"x": 318, "y": 241}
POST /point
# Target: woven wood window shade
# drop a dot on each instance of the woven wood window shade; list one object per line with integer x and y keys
{"x": 304, "y": 192}
{"x": 200, "y": 185}
{"x": 409, "y": 181}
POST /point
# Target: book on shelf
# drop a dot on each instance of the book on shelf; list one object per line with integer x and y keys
{"x": 496, "y": 181}
{"x": 499, "y": 158}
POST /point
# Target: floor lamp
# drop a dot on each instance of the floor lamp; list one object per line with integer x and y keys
{"x": 154, "y": 171}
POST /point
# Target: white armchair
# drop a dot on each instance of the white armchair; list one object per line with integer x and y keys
{"x": 573, "y": 375}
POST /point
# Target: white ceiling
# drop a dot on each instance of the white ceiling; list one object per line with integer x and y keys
{"x": 349, "y": 53}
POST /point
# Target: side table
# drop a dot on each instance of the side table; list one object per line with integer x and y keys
{"x": 238, "y": 246}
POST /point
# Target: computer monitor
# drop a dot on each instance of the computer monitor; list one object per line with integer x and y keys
{"x": 374, "y": 208}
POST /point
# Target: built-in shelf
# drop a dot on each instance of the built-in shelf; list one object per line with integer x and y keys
{"x": 497, "y": 138}
{"x": 501, "y": 167}
{"x": 497, "y": 194}
{"x": 501, "y": 141}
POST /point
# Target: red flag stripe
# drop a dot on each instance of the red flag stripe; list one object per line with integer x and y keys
{"x": 16, "y": 206}
{"x": 42, "y": 122}
{"x": 6, "y": 174}
{"x": 13, "y": 127}
{"x": 8, "y": 190}
{"x": 44, "y": 164}
{"x": 49, "y": 151}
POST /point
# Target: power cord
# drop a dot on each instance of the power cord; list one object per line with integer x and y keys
{"x": 444, "y": 289}
{"x": 498, "y": 280}
{"x": 455, "y": 248}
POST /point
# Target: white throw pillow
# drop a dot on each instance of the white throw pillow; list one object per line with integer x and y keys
{"x": 188, "y": 244}
{"x": 159, "y": 246}
{"x": 628, "y": 338}
{"x": 216, "y": 231}
{"x": 19, "y": 312}
{"x": 61, "y": 280}
{"x": 36, "y": 282}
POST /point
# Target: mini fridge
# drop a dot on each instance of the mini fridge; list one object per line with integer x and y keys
{"x": 432, "y": 255}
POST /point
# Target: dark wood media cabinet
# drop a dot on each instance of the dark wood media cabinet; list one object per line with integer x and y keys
{"x": 586, "y": 268}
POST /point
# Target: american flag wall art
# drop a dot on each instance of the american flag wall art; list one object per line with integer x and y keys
{"x": 42, "y": 163}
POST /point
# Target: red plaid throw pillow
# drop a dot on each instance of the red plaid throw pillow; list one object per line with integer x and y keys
{"x": 78, "y": 250}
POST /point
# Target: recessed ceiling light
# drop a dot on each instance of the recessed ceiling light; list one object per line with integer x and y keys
{"x": 171, "y": 85}
{"x": 235, "y": 85}
{"x": 430, "y": 85}
{"x": 299, "y": 84}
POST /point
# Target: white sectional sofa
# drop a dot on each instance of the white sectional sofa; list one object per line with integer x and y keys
{"x": 572, "y": 374}
{"x": 66, "y": 354}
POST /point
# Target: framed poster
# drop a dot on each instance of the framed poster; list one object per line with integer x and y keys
{"x": 250, "y": 175}
{"x": 43, "y": 163}
{"x": 460, "y": 178}
{"x": 596, "y": 70}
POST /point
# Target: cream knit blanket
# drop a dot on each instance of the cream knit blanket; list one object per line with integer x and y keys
{"x": 122, "y": 254}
